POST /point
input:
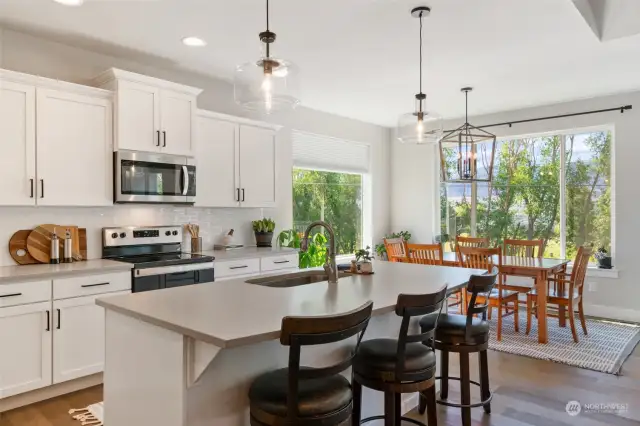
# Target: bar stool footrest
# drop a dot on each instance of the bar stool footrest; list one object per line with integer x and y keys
{"x": 402, "y": 419}
{"x": 458, "y": 405}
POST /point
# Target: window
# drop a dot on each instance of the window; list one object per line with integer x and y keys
{"x": 329, "y": 177}
{"x": 556, "y": 188}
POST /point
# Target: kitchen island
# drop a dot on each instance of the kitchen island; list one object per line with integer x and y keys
{"x": 187, "y": 356}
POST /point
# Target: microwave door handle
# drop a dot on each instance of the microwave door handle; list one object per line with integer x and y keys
{"x": 185, "y": 180}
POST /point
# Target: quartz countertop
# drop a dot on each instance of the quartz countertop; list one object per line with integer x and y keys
{"x": 21, "y": 273}
{"x": 235, "y": 313}
{"x": 248, "y": 252}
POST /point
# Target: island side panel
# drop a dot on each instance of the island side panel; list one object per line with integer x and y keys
{"x": 220, "y": 395}
{"x": 144, "y": 377}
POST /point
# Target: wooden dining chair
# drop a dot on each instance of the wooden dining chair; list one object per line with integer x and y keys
{"x": 470, "y": 242}
{"x": 396, "y": 249}
{"x": 522, "y": 249}
{"x": 488, "y": 258}
{"x": 568, "y": 293}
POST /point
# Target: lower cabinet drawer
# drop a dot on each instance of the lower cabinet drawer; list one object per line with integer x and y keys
{"x": 87, "y": 285}
{"x": 230, "y": 268}
{"x": 275, "y": 263}
{"x": 23, "y": 293}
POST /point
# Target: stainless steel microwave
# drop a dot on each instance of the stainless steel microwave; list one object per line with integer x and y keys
{"x": 143, "y": 177}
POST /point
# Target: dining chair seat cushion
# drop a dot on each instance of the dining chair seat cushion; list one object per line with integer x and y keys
{"x": 454, "y": 325}
{"x": 556, "y": 294}
{"x": 380, "y": 355}
{"x": 316, "y": 397}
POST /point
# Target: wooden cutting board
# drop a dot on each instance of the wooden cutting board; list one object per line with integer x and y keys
{"x": 18, "y": 248}
{"x": 39, "y": 241}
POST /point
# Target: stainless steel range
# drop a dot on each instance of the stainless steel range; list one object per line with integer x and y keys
{"x": 157, "y": 257}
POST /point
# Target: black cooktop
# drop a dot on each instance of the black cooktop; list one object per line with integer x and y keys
{"x": 163, "y": 259}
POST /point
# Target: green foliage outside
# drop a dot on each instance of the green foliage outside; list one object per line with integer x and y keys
{"x": 333, "y": 197}
{"x": 523, "y": 201}
{"x": 316, "y": 252}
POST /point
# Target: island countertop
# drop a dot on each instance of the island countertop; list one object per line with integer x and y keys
{"x": 234, "y": 313}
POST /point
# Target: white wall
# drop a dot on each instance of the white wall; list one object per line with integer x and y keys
{"x": 608, "y": 297}
{"x": 35, "y": 55}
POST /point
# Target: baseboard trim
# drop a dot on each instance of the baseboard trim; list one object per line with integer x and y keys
{"x": 409, "y": 402}
{"x": 611, "y": 312}
{"x": 49, "y": 392}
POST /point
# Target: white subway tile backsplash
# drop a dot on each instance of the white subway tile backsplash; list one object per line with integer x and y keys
{"x": 214, "y": 223}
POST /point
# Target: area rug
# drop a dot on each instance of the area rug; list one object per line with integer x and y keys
{"x": 604, "y": 349}
{"x": 92, "y": 415}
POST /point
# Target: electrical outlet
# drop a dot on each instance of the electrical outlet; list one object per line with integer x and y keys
{"x": 593, "y": 286}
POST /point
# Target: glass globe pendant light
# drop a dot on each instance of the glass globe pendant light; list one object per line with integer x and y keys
{"x": 268, "y": 84}
{"x": 420, "y": 126}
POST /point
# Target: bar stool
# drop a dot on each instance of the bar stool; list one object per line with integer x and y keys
{"x": 296, "y": 395}
{"x": 403, "y": 365}
{"x": 464, "y": 335}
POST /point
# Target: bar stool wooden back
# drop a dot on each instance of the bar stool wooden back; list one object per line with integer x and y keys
{"x": 298, "y": 395}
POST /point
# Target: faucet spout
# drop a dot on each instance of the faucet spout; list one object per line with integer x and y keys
{"x": 330, "y": 267}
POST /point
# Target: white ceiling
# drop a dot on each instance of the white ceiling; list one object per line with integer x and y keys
{"x": 358, "y": 58}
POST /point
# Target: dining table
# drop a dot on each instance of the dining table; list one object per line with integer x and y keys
{"x": 538, "y": 268}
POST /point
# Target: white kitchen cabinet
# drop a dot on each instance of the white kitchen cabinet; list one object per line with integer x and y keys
{"x": 257, "y": 167}
{"x": 74, "y": 149}
{"x": 17, "y": 132}
{"x": 217, "y": 171}
{"x": 25, "y": 354}
{"x": 236, "y": 162}
{"x": 152, "y": 115}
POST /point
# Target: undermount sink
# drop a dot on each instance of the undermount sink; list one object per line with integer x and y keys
{"x": 293, "y": 280}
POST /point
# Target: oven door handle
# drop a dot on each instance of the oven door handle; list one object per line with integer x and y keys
{"x": 185, "y": 180}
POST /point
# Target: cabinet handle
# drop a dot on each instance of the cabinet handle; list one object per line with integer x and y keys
{"x": 281, "y": 261}
{"x": 42, "y": 188}
{"x": 10, "y": 295}
{"x": 237, "y": 194}
{"x": 48, "y": 321}
{"x": 239, "y": 267}
{"x": 243, "y": 194}
{"x": 158, "y": 134}
{"x": 93, "y": 285}
{"x": 31, "y": 181}
{"x": 58, "y": 327}
{"x": 164, "y": 137}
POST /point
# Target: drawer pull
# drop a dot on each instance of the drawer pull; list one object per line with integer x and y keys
{"x": 58, "y": 327}
{"x": 93, "y": 285}
{"x": 11, "y": 295}
{"x": 239, "y": 267}
{"x": 48, "y": 321}
{"x": 281, "y": 261}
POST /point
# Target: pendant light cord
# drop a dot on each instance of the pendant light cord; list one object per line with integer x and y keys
{"x": 466, "y": 106}
{"x": 268, "y": 28}
{"x": 420, "y": 56}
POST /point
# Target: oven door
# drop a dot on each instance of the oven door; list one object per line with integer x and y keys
{"x": 142, "y": 177}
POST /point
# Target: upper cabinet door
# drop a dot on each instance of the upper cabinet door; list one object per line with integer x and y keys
{"x": 18, "y": 135}
{"x": 257, "y": 167}
{"x": 217, "y": 171}
{"x": 138, "y": 118}
{"x": 74, "y": 154}
{"x": 177, "y": 116}
{"x": 25, "y": 335}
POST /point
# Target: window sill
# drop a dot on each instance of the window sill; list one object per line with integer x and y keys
{"x": 594, "y": 271}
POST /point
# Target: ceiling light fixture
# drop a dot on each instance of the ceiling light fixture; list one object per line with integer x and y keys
{"x": 70, "y": 2}
{"x": 268, "y": 84}
{"x": 420, "y": 126}
{"x": 194, "y": 42}
{"x": 461, "y": 148}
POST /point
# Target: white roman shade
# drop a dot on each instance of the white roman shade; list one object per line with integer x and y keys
{"x": 318, "y": 152}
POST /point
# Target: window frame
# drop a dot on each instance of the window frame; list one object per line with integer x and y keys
{"x": 563, "y": 133}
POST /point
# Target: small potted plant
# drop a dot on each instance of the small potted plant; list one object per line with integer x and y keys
{"x": 263, "y": 230}
{"x": 603, "y": 257}
{"x": 363, "y": 261}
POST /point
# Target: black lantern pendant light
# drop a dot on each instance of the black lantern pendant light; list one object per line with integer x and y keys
{"x": 467, "y": 153}
{"x": 420, "y": 126}
{"x": 268, "y": 84}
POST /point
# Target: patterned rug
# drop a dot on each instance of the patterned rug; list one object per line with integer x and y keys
{"x": 604, "y": 349}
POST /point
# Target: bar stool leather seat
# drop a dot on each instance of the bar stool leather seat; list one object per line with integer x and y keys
{"x": 376, "y": 359}
{"x": 455, "y": 325}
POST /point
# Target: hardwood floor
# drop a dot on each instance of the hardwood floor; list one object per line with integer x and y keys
{"x": 527, "y": 392}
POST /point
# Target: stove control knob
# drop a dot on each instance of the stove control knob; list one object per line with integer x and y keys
{"x": 175, "y": 232}
{"x": 122, "y": 235}
{"x": 167, "y": 233}
{"x": 114, "y": 235}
